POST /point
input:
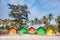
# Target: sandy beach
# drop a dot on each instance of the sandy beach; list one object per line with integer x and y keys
{"x": 29, "y": 37}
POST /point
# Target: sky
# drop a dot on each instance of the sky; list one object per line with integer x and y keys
{"x": 37, "y": 8}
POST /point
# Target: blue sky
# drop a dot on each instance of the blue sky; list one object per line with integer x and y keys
{"x": 37, "y": 8}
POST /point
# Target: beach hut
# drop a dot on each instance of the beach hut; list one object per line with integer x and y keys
{"x": 49, "y": 31}
{"x": 41, "y": 31}
{"x": 12, "y": 31}
{"x": 31, "y": 30}
{"x": 22, "y": 30}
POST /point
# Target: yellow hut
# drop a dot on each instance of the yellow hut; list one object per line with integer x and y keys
{"x": 49, "y": 31}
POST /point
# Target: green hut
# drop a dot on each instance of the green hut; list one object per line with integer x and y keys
{"x": 41, "y": 30}
{"x": 22, "y": 30}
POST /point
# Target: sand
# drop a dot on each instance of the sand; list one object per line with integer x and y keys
{"x": 29, "y": 37}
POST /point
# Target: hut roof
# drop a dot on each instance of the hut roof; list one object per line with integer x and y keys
{"x": 31, "y": 28}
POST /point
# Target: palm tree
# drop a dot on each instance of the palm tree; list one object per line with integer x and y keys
{"x": 50, "y": 17}
{"x": 45, "y": 21}
{"x": 36, "y": 21}
{"x": 39, "y": 22}
{"x": 19, "y": 12}
{"x": 58, "y": 19}
{"x": 25, "y": 24}
{"x": 32, "y": 22}
{"x": 58, "y": 22}
{"x": 5, "y": 22}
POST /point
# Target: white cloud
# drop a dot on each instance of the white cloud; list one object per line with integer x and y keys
{"x": 30, "y": 3}
{"x": 21, "y": 1}
{"x": 14, "y": 2}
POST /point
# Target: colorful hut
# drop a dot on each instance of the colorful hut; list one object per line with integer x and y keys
{"x": 23, "y": 30}
{"x": 50, "y": 31}
{"x": 41, "y": 31}
{"x": 31, "y": 30}
{"x": 12, "y": 31}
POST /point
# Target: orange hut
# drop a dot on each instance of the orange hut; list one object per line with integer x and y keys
{"x": 31, "y": 30}
{"x": 12, "y": 31}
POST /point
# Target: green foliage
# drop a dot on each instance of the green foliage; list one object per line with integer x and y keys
{"x": 55, "y": 27}
{"x": 58, "y": 22}
{"x": 2, "y": 31}
{"x": 36, "y": 21}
